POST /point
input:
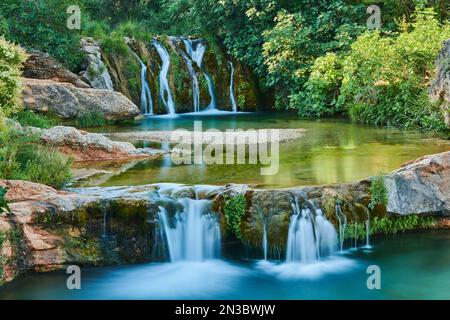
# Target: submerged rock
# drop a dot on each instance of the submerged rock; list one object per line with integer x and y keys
{"x": 68, "y": 102}
{"x": 85, "y": 146}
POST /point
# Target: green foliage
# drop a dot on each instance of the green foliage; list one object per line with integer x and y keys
{"x": 90, "y": 120}
{"x": 234, "y": 209}
{"x": 378, "y": 193}
{"x": 11, "y": 59}
{"x": 389, "y": 225}
{"x": 22, "y": 158}
{"x": 3, "y": 203}
{"x": 43, "y": 25}
{"x": 32, "y": 119}
{"x": 385, "y": 76}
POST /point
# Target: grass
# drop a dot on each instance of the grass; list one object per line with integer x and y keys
{"x": 90, "y": 120}
{"x": 29, "y": 118}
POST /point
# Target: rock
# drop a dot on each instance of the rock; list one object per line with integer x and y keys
{"x": 96, "y": 73}
{"x": 42, "y": 66}
{"x": 67, "y": 101}
{"x": 84, "y": 146}
{"x": 440, "y": 88}
{"x": 421, "y": 186}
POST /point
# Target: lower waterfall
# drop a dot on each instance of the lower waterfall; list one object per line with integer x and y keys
{"x": 146, "y": 95}
{"x": 192, "y": 233}
{"x": 232, "y": 98}
{"x": 310, "y": 236}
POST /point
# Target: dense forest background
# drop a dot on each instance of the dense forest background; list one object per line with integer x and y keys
{"x": 315, "y": 56}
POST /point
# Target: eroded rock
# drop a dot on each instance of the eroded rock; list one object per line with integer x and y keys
{"x": 440, "y": 88}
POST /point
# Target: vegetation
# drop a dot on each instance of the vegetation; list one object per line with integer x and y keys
{"x": 21, "y": 157}
{"x": 378, "y": 193}
{"x": 90, "y": 120}
{"x": 11, "y": 59}
{"x": 3, "y": 203}
{"x": 389, "y": 225}
{"x": 29, "y": 118}
{"x": 234, "y": 209}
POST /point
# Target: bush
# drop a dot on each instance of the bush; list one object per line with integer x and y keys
{"x": 386, "y": 77}
{"x": 234, "y": 209}
{"x": 11, "y": 59}
{"x": 378, "y": 193}
{"x": 22, "y": 158}
{"x": 29, "y": 118}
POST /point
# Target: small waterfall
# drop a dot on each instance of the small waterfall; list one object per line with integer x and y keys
{"x": 342, "y": 220}
{"x": 368, "y": 230}
{"x": 309, "y": 237}
{"x": 232, "y": 99}
{"x": 164, "y": 88}
{"x": 264, "y": 241}
{"x": 193, "y": 233}
{"x": 196, "y": 50}
{"x": 146, "y": 95}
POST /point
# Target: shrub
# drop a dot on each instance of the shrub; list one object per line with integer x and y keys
{"x": 386, "y": 76}
{"x": 11, "y": 59}
{"x": 234, "y": 209}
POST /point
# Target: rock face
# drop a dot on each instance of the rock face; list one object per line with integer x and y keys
{"x": 41, "y": 65}
{"x": 84, "y": 146}
{"x": 68, "y": 101}
{"x": 440, "y": 88}
{"x": 49, "y": 229}
{"x": 96, "y": 73}
{"x": 422, "y": 186}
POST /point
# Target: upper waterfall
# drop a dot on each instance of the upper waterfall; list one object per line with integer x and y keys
{"x": 164, "y": 87}
{"x": 196, "y": 50}
{"x": 146, "y": 95}
{"x": 232, "y": 99}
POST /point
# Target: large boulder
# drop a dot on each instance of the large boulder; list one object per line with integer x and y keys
{"x": 96, "y": 73}
{"x": 41, "y": 65}
{"x": 421, "y": 186}
{"x": 67, "y": 101}
{"x": 440, "y": 88}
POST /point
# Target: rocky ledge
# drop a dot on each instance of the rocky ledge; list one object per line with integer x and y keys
{"x": 48, "y": 229}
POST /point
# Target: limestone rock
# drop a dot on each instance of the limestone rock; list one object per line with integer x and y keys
{"x": 421, "y": 186}
{"x": 41, "y": 65}
{"x": 68, "y": 101}
{"x": 440, "y": 88}
{"x": 96, "y": 72}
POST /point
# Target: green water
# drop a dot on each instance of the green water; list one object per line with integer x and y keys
{"x": 413, "y": 266}
{"x": 329, "y": 152}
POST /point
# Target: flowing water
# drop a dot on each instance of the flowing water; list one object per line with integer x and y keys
{"x": 331, "y": 151}
{"x": 146, "y": 94}
{"x": 344, "y": 276}
{"x": 164, "y": 87}
{"x": 232, "y": 99}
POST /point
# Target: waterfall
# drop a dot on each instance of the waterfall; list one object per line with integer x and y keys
{"x": 310, "y": 235}
{"x": 342, "y": 220}
{"x": 264, "y": 242}
{"x": 368, "y": 230}
{"x": 196, "y": 50}
{"x": 146, "y": 95}
{"x": 193, "y": 233}
{"x": 232, "y": 99}
{"x": 164, "y": 88}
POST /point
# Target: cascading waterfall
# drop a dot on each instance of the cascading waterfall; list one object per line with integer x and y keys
{"x": 193, "y": 233}
{"x": 368, "y": 230}
{"x": 232, "y": 99}
{"x": 146, "y": 95}
{"x": 310, "y": 236}
{"x": 342, "y": 220}
{"x": 196, "y": 50}
{"x": 264, "y": 241}
{"x": 164, "y": 87}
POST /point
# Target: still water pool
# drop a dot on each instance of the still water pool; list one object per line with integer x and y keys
{"x": 331, "y": 151}
{"x": 413, "y": 266}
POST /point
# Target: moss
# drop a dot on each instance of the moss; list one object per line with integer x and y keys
{"x": 234, "y": 209}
